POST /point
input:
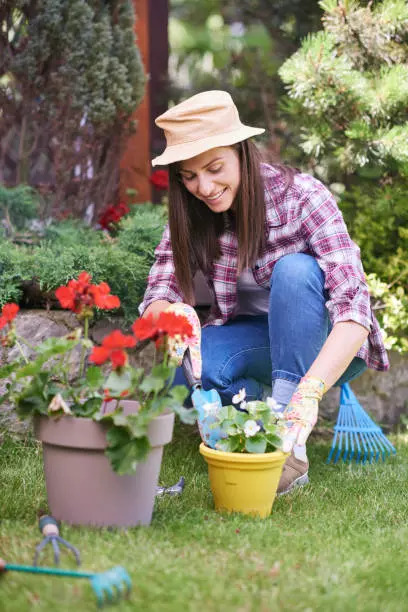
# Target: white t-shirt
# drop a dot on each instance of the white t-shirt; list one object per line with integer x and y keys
{"x": 252, "y": 298}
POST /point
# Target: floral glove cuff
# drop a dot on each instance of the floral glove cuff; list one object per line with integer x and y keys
{"x": 177, "y": 347}
{"x": 300, "y": 415}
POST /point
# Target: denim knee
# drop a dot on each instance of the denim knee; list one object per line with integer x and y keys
{"x": 297, "y": 268}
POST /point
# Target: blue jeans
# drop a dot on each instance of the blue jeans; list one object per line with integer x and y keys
{"x": 276, "y": 348}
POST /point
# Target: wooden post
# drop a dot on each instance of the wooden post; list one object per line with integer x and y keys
{"x": 135, "y": 168}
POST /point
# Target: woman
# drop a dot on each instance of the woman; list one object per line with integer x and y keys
{"x": 291, "y": 307}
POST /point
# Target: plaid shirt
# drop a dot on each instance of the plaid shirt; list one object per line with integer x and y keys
{"x": 303, "y": 219}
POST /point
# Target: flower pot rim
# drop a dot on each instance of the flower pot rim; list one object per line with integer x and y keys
{"x": 72, "y": 417}
{"x": 213, "y": 453}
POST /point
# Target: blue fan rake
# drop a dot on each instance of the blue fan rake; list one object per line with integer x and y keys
{"x": 356, "y": 435}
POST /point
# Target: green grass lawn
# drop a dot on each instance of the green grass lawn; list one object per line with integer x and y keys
{"x": 339, "y": 544}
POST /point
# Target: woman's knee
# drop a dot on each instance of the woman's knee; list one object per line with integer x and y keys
{"x": 297, "y": 269}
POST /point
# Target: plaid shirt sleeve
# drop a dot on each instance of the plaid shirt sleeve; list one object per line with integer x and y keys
{"x": 338, "y": 256}
{"x": 162, "y": 282}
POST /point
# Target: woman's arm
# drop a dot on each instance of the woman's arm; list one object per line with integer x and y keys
{"x": 338, "y": 351}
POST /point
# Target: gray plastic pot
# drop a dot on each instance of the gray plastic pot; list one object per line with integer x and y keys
{"x": 82, "y": 488}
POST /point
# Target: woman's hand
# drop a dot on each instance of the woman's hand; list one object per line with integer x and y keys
{"x": 177, "y": 348}
{"x": 300, "y": 415}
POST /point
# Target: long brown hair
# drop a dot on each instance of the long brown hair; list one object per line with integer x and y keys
{"x": 195, "y": 229}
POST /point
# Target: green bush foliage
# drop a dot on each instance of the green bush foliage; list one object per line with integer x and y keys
{"x": 16, "y": 266}
{"x": 348, "y": 85}
{"x": 71, "y": 76}
{"x": 71, "y": 247}
{"x": 348, "y": 94}
{"x": 17, "y": 206}
{"x": 377, "y": 217}
{"x": 140, "y": 232}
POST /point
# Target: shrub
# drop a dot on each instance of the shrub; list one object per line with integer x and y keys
{"x": 348, "y": 95}
{"x": 16, "y": 267}
{"x": 18, "y": 205}
{"x": 70, "y": 78}
{"x": 70, "y": 247}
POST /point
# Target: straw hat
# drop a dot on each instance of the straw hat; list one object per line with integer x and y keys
{"x": 202, "y": 122}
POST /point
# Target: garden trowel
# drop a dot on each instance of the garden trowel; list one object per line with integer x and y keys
{"x": 206, "y": 403}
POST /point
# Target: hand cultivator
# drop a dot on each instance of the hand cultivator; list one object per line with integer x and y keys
{"x": 49, "y": 528}
{"x": 109, "y": 586}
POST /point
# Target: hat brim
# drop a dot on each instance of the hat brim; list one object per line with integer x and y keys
{"x": 190, "y": 149}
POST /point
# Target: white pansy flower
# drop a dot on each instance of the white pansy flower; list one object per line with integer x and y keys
{"x": 210, "y": 409}
{"x": 273, "y": 405}
{"x": 251, "y": 428}
{"x": 239, "y": 397}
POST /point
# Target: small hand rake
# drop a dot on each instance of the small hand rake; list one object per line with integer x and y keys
{"x": 108, "y": 586}
{"x": 356, "y": 435}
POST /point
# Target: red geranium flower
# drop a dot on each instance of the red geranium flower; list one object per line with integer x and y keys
{"x": 112, "y": 215}
{"x": 160, "y": 179}
{"x": 8, "y": 313}
{"x": 166, "y": 324}
{"x": 112, "y": 348}
{"x": 172, "y": 325}
{"x": 102, "y": 297}
{"x": 145, "y": 328}
{"x": 81, "y": 294}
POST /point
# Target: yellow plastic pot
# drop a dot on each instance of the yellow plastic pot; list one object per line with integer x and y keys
{"x": 244, "y": 482}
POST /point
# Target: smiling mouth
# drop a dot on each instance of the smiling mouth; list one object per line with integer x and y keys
{"x": 217, "y": 195}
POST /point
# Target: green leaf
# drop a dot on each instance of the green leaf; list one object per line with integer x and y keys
{"x": 55, "y": 346}
{"x": 241, "y": 418}
{"x": 273, "y": 441}
{"x": 161, "y": 370}
{"x": 124, "y": 451}
{"x": 151, "y": 384}
{"x": 8, "y": 369}
{"x": 88, "y": 408}
{"x": 31, "y": 369}
{"x": 228, "y": 445}
{"x": 135, "y": 377}
{"x": 229, "y": 428}
{"x": 186, "y": 415}
{"x": 256, "y": 444}
{"x": 118, "y": 382}
{"x": 138, "y": 424}
{"x": 94, "y": 377}
{"x": 179, "y": 393}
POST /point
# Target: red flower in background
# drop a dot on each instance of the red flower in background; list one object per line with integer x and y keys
{"x": 8, "y": 313}
{"x": 103, "y": 298}
{"x": 112, "y": 348}
{"x": 166, "y": 324}
{"x": 80, "y": 294}
{"x": 112, "y": 215}
{"x": 145, "y": 327}
{"x": 160, "y": 179}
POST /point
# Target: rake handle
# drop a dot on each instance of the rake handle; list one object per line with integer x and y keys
{"x": 44, "y": 570}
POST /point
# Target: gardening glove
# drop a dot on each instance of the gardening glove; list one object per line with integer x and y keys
{"x": 300, "y": 415}
{"x": 206, "y": 403}
{"x": 178, "y": 347}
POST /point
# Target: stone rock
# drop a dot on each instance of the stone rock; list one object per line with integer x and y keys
{"x": 38, "y": 325}
{"x": 383, "y": 395}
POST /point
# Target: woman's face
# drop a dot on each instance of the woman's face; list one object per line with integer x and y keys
{"x": 213, "y": 177}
